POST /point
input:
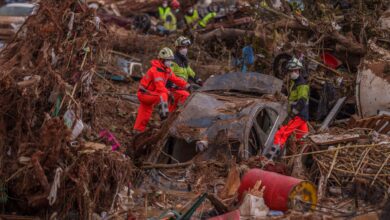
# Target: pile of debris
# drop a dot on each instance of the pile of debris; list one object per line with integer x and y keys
{"x": 59, "y": 105}
{"x": 354, "y": 158}
{"x": 47, "y": 99}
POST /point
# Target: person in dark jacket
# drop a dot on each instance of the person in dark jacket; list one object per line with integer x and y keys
{"x": 298, "y": 109}
{"x": 182, "y": 69}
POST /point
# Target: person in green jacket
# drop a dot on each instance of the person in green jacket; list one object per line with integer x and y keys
{"x": 163, "y": 10}
{"x": 193, "y": 19}
{"x": 298, "y": 99}
{"x": 181, "y": 69}
{"x": 167, "y": 19}
{"x": 180, "y": 66}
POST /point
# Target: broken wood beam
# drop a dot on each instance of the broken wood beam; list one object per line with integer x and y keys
{"x": 18, "y": 217}
{"x": 166, "y": 166}
{"x": 225, "y": 33}
{"x": 329, "y": 139}
{"x": 339, "y": 148}
{"x": 380, "y": 123}
{"x": 29, "y": 82}
{"x": 230, "y": 24}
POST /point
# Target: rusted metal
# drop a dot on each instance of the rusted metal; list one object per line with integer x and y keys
{"x": 332, "y": 114}
{"x": 281, "y": 192}
{"x": 326, "y": 139}
{"x": 373, "y": 84}
{"x": 234, "y": 113}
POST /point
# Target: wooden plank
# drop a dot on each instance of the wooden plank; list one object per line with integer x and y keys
{"x": 17, "y": 217}
{"x": 373, "y": 123}
{"x": 328, "y": 139}
{"x": 386, "y": 129}
{"x": 379, "y": 125}
{"x": 365, "y": 123}
{"x": 376, "y": 123}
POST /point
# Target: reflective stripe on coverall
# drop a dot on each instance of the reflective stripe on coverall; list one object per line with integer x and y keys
{"x": 203, "y": 23}
{"x": 153, "y": 91}
{"x": 191, "y": 20}
{"x": 163, "y": 12}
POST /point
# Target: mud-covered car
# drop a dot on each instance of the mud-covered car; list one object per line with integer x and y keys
{"x": 236, "y": 114}
{"x": 12, "y": 16}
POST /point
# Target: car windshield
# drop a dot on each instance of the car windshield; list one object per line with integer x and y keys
{"x": 15, "y": 11}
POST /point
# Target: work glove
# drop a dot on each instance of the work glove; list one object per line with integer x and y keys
{"x": 163, "y": 110}
{"x": 214, "y": 9}
{"x": 274, "y": 152}
{"x": 194, "y": 87}
{"x": 199, "y": 81}
{"x": 170, "y": 85}
{"x": 171, "y": 97}
{"x": 294, "y": 111}
{"x": 201, "y": 146}
{"x": 195, "y": 80}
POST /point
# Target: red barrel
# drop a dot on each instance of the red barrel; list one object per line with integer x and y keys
{"x": 280, "y": 191}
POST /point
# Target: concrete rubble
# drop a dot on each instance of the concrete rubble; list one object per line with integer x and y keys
{"x": 68, "y": 83}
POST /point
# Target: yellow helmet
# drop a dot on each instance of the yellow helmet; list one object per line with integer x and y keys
{"x": 166, "y": 54}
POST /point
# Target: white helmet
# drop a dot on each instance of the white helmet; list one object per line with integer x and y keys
{"x": 166, "y": 54}
{"x": 294, "y": 64}
{"x": 182, "y": 42}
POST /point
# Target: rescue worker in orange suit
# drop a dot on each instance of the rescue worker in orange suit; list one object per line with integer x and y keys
{"x": 152, "y": 89}
{"x": 298, "y": 109}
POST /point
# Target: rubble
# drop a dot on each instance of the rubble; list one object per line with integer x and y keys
{"x": 68, "y": 81}
{"x": 356, "y": 161}
{"x": 54, "y": 57}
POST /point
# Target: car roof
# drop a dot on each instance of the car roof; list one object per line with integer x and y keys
{"x": 23, "y": 5}
{"x": 244, "y": 82}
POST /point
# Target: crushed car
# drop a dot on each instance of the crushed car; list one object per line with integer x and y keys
{"x": 12, "y": 16}
{"x": 235, "y": 114}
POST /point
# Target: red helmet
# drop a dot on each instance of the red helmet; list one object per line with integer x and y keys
{"x": 175, "y": 4}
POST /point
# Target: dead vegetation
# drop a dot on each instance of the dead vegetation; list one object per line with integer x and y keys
{"x": 51, "y": 67}
{"x": 46, "y": 70}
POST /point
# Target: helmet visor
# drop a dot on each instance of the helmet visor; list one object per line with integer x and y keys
{"x": 186, "y": 42}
